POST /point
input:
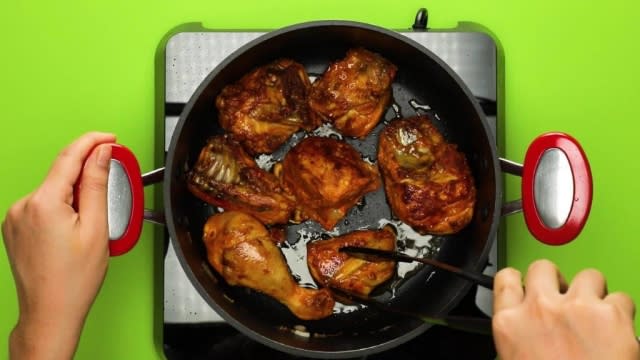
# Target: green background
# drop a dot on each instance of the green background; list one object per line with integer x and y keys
{"x": 67, "y": 67}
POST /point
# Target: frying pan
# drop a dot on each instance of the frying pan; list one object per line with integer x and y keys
{"x": 424, "y": 84}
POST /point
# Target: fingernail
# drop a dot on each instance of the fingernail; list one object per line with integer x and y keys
{"x": 104, "y": 156}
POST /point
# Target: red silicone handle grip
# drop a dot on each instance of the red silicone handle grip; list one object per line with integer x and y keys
{"x": 582, "y": 185}
{"x": 132, "y": 233}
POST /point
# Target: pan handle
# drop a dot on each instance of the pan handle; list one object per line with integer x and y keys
{"x": 125, "y": 205}
{"x": 557, "y": 188}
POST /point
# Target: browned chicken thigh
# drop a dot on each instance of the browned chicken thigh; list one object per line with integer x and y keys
{"x": 240, "y": 249}
{"x": 226, "y": 176}
{"x": 354, "y": 275}
{"x": 266, "y": 106}
{"x": 354, "y": 92}
{"x": 427, "y": 181}
{"x": 327, "y": 177}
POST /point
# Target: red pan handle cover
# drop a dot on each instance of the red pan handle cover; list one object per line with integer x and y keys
{"x": 557, "y": 188}
{"x": 125, "y": 201}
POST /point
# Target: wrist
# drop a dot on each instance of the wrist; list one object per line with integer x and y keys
{"x": 44, "y": 338}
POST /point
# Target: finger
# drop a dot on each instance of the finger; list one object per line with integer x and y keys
{"x": 507, "y": 289}
{"x": 543, "y": 277}
{"x": 623, "y": 302}
{"x": 589, "y": 283}
{"x": 92, "y": 195}
{"x": 67, "y": 167}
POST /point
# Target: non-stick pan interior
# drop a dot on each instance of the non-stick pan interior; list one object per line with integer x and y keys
{"x": 422, "y": 79}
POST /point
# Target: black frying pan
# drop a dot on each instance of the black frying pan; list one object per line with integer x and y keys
{"x": 422, "y": 78}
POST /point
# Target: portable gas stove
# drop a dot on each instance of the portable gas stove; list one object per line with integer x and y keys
{"x": 191, "y": 328}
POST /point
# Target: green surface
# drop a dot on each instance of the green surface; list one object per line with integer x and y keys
{"x": 67, "y": 67}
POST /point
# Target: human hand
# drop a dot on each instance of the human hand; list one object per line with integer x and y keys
{"x": 546, "y": 319}
{"x": 58, "y": 254}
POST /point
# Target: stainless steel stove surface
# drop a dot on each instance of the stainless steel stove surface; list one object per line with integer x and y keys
{"x": 190, "y": 56}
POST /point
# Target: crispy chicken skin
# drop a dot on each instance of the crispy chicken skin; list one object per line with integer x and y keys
{"x": 226, "y": 176}
{"x": 266, "y": 106}
{"x": 354, "y": 275}
{"x": 427, "y": 181}
{"x": 354, "y": 92}
{"x": 327, "y": 177}
{"x": 240, "y": 249}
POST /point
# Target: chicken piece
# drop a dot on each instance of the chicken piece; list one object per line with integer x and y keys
{"x": 327, "y": 177}
{"x": 266, "y": 106}
{"x": 427, "y": 181}
{"x": 240, "y": 249}
{"x": 351, "y": 274}
{"x": 354, "y": 92}
{"x": 226, "y": 176}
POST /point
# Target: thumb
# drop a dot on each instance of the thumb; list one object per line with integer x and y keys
{"x": 92, "y": 197}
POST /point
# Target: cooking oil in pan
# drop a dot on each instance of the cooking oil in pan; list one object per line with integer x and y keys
{"x": 265, "y": 161}
{"x": 417, "y": 106}
{"x": 327, "y": 130}
{"x": 397, "y": 114}
{"x": 296, "y": 255}
{"x": 409, "y": 242}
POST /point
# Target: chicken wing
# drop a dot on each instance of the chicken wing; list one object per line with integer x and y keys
{"x": 240, "y": 249}
{"x": 266, "y": 106}
{"x": 327, "y": 177}
{"x": 427, "y": 181}
{"x": 226, "y": 176}
{"x": 354, "y": 275}
{"x": 354, "y": 92}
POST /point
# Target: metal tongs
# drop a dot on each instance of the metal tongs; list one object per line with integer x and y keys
{"x": 370, "y": 254}
{"x": 476, "y": 325}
